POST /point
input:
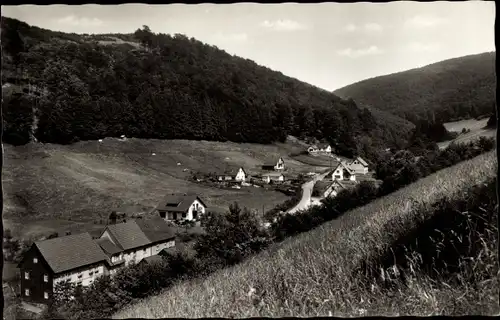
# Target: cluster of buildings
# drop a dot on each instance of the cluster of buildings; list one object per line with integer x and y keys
{"x": 81, "y": 259}
{"x": 272, "y": 172}
{"x": 343, "y": 176}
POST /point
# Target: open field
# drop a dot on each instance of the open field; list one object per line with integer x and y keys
{"x": 312, "y": 274}
{"x": 476, "y": 127}
{"x": 52, "y": 187}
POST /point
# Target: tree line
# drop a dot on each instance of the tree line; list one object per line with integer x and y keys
{"x": 170, "y": 87}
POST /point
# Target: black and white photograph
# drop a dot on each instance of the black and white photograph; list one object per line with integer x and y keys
{"x": 241, "y": 160}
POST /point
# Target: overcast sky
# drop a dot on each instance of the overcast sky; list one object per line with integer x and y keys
{"x": 329, "y": 45}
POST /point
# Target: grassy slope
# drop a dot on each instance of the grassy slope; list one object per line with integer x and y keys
{"x": 48, "y": 185}
{"x": 311, "y": 274}
{"x": 476, "y": 127}
{"x": 438, "y": 85}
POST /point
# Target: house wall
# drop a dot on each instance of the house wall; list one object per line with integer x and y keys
{"x": 240, "y": 176}
{"x": 358, "y": 168}
{"x": 160, "y": 246}
{"x": 83, "y": 276}
{"x": 35, "y": 284}
{"x": 201, "y": 209}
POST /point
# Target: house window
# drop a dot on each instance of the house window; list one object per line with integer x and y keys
{"x": 27, "y": 275}
{"x": 46, "y": 295}
{"x": 35, "y": 260}
{"x": 80, "y": 276}
{"x": 45, "y": 278}
{"x": 183, "y": 214}
{"x": 27, "y": 292}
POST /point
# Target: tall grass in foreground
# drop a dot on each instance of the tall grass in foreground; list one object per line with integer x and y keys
{"x": 316, "y": 273}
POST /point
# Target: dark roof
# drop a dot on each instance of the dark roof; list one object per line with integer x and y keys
{"x": 70, "y": 252}
{"x": 153, "y": 259}
{"x": 322, "y": 186}
{"x": 156, "y": 229}
{"x": 128, "y": 235}
{"x": 323, "y": 145}
{"x": 180, "y": 203}
{"x": 108, "y": 247}
{"x": 362, "y": 161}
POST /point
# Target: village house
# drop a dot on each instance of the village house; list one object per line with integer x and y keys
{"x": 359, "y": 166}
{"x": 320, "y": 148}
{"x": 278, "y": 166}
{"x": 343, "y": 172}
{"x": 239, "y": 175}
{"x": 274, "y": 177}
{"x": 177, "y": 207}
{"x": 74, "y": 258}
{"x": 130, "y": 242}
{"x": 327, "y": 189}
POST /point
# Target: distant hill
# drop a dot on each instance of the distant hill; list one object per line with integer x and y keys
{"x": 449, "y": 90}
{"x": 149, "y": 85}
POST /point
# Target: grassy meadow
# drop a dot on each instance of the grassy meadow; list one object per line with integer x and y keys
{"x": 50, "y": 187}
{"x": 476, "y": 127}
{"x": 314, "y": 273}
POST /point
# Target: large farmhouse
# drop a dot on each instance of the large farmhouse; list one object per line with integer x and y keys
{"x": 359, "y": 166}
{"x": 76, "y": 258}
{"x": 181, "y": 207}
{"x": 80, "y": 260}
{"x": 278, "y": 166}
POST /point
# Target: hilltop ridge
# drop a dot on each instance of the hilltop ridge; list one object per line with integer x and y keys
{"x": 444, "y": 91}
{"x": 149, "y": 85}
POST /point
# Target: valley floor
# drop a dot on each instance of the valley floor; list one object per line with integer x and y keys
{"x": 312, "y": 274}
{"x": 75, "y": 187}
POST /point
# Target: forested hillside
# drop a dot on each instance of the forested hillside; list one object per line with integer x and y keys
{"x": 149, "y": 85}
{"x": 446, "y": 91}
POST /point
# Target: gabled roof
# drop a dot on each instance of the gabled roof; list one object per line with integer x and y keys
{"x": 322, "y": 186}
{"x": 156, "y": 229}
{"x": 342, "y": 164}
{"x": 362, "y": 161}
{"x": 153, "y": 259}
{"x": 70, "y": 252}
{"x": 323, "y": 145}
{"x": 178, "y": 203}
{"x": 232, "y": 172}
{"x": 128, "y": 235}
{"x": 108, "y": 247}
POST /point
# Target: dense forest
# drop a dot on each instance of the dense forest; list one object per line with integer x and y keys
{"x": 449, "y": 90}
{"x": 149, "y": 85}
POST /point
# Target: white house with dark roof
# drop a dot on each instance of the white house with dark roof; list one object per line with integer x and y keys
{"x": 181, "y": 207}
{"x": 233, "y": 175}
{"x": 359, "y": 166}
{"x": 273, "y": 177}
{"x": 277, "y": 166}
{"x": 343, "y": 172}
